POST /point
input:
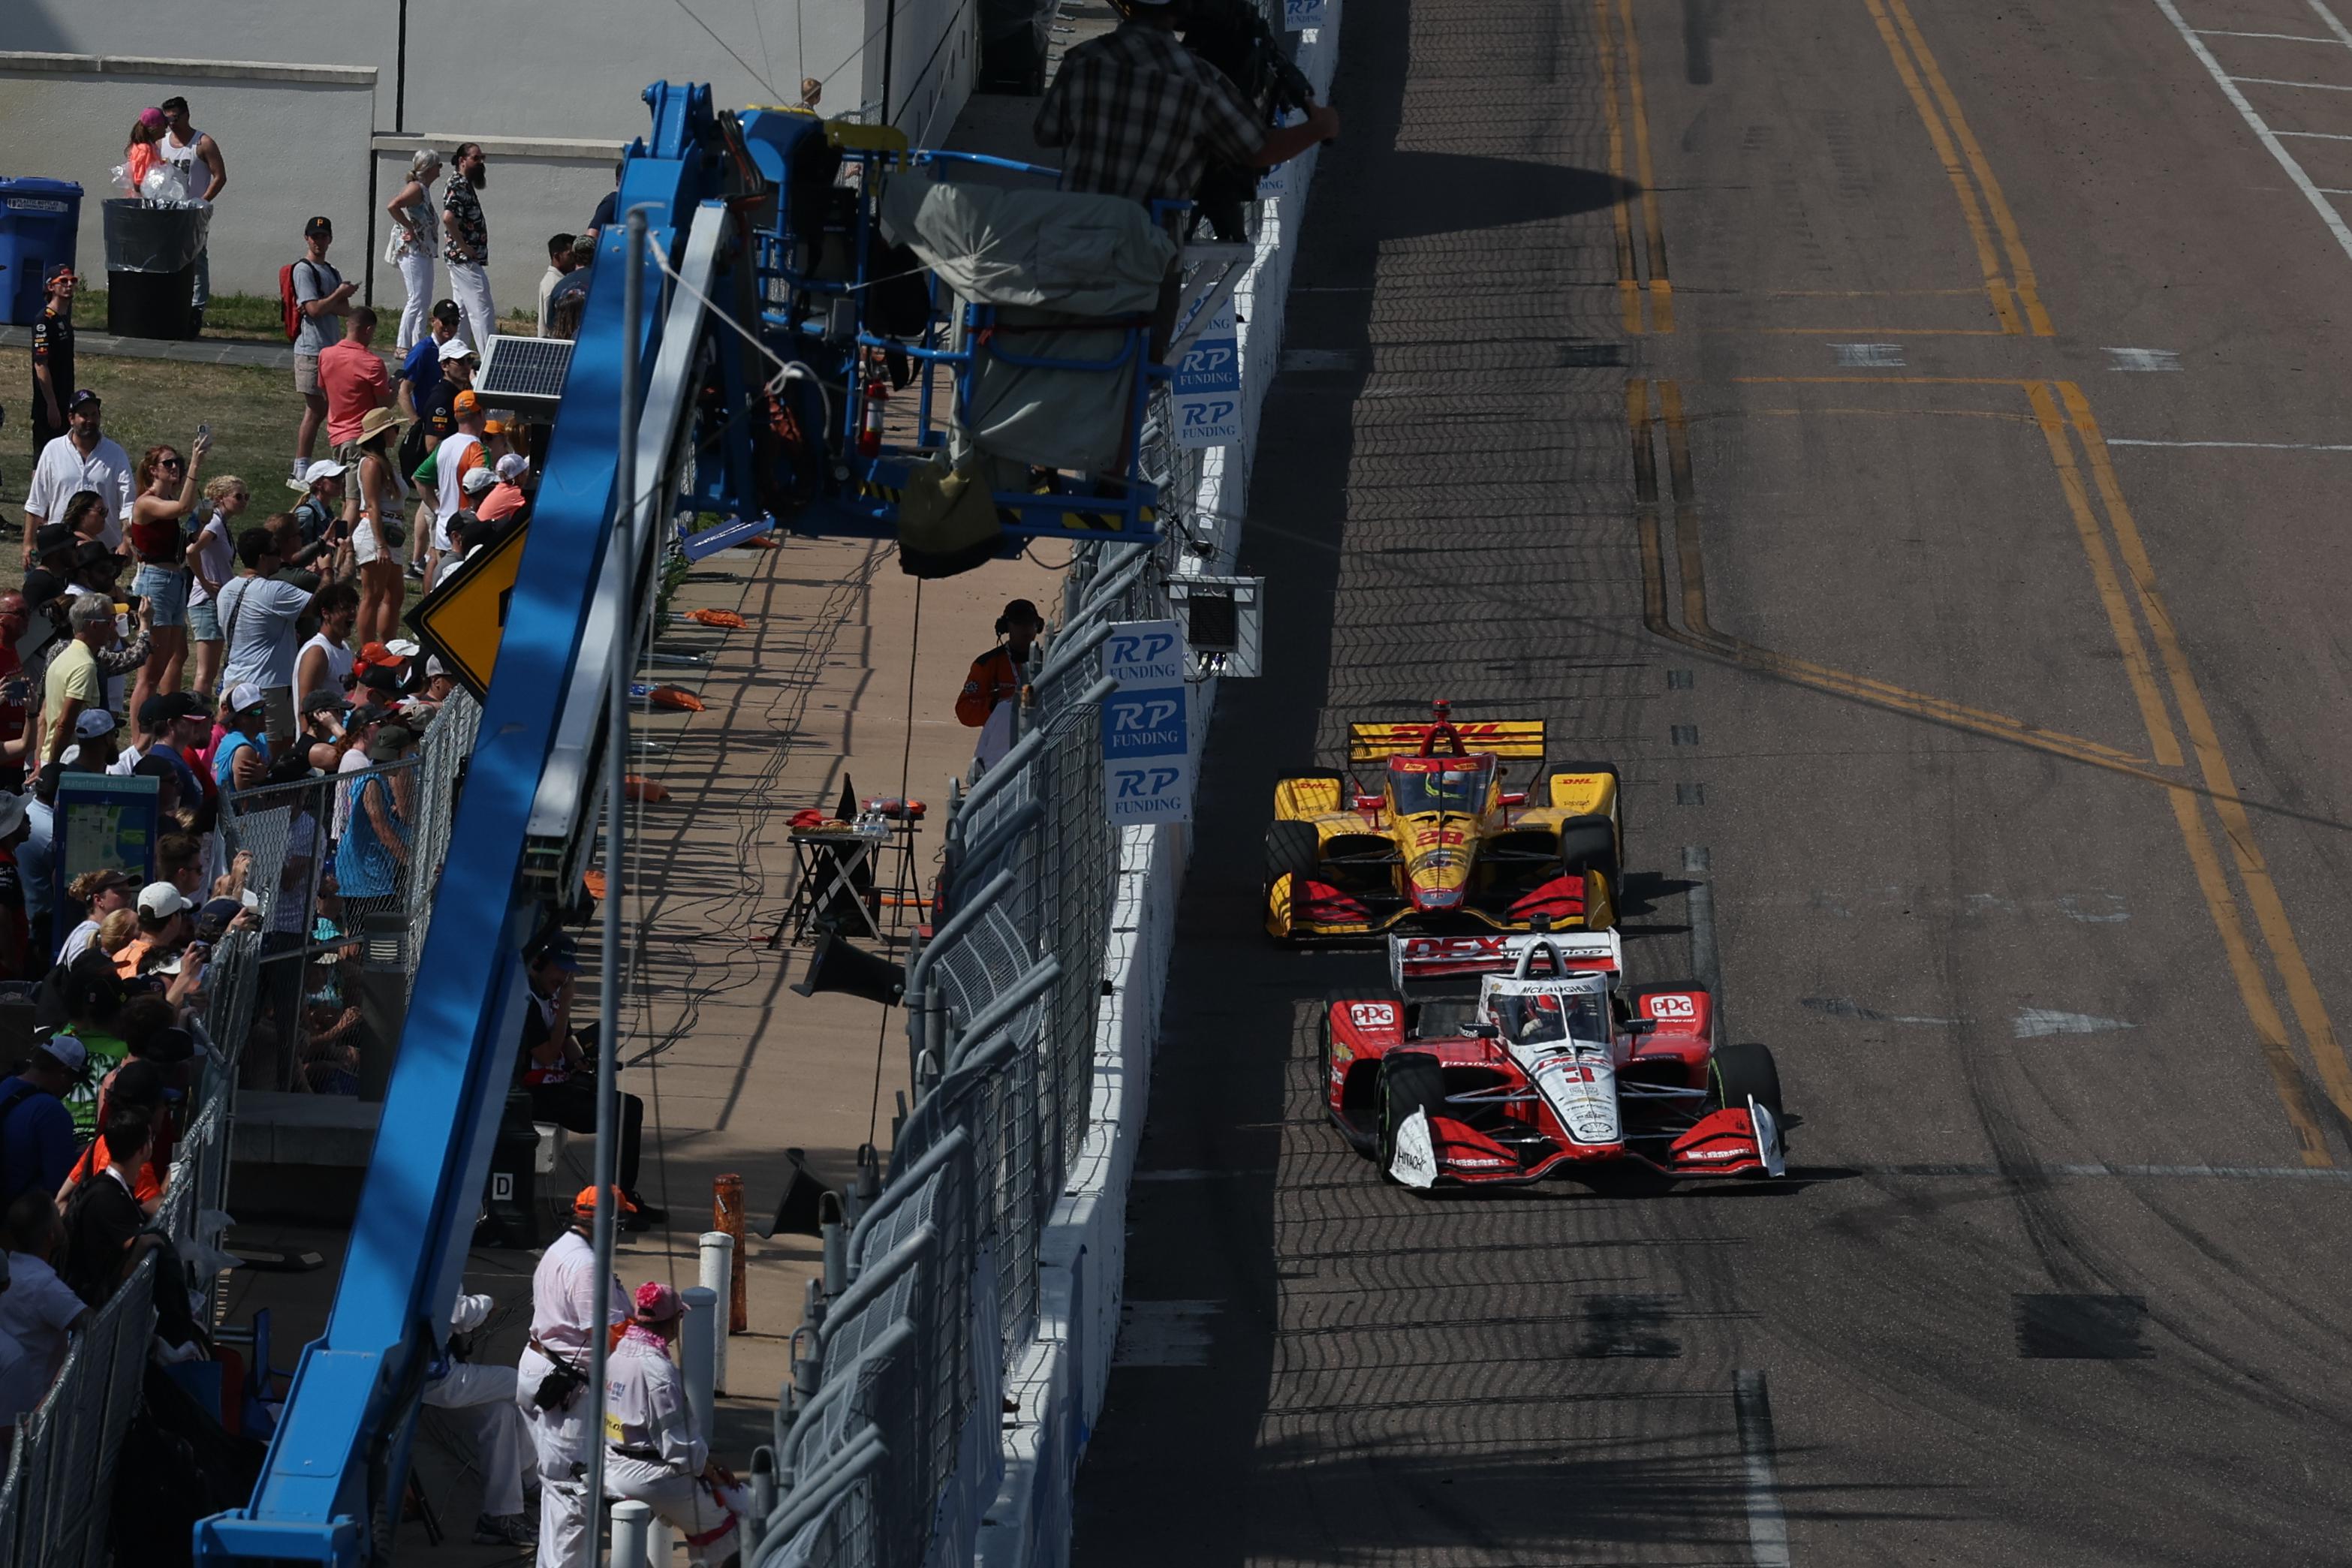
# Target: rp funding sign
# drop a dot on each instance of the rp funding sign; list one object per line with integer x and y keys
{"x": 1147, "y": 725}
{"x": 1208, "y": 393}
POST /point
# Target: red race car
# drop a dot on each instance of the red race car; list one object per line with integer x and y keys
{"x": 1506, "y": 1059}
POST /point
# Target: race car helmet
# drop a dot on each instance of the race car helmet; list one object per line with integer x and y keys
{"x": 1531, "y": 1019}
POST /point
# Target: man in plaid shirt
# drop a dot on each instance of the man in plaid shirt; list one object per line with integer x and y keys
{"x": 1143, "y": 115}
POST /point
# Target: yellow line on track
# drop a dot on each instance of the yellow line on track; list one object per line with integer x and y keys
{"x": 1662, "y": 291}
{"x": 1629, "y": 287}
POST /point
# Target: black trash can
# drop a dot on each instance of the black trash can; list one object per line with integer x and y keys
{"x": 150, "y": 268}
{"x": 511, "y": 1197}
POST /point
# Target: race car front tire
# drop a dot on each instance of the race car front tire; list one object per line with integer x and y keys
{"x": 1589, "y": 843}
{"x": 1410, "y": 1081}
{"x": 1292, "y": 848}
{"x": 1737, "y": 1074}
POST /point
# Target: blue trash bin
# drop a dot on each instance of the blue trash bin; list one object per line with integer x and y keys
{"x": 39, "y": 221}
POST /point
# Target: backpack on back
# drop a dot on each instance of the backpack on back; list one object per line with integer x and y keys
{"x": 289, "y": 309}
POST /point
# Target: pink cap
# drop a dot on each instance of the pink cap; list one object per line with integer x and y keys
{"x": 153, "y": 119}
{"x": 656, "y": 1302}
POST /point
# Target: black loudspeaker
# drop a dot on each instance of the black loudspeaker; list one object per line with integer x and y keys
{"x": 835, "y": 965}
{"x": 798, "y": 1212}
{"x": 846, "y": 810}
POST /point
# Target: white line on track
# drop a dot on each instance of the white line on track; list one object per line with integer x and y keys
{"x": 2318, "y": 135}
{"x": 2037, "y": 1172}
{"x": 2343, "y": 34}
{"x": 2303, "y": 183}
{"x": 1768, "y": 1527}
{"x": 2282, "y": 81}
{"x": 2241, "y": 445}
{"x": 2282, "y": 37}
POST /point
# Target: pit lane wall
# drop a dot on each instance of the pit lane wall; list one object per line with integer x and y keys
{"x": 1055, "y": 1387}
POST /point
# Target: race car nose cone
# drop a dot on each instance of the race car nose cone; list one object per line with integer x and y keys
{"x": 1436, "y": 897}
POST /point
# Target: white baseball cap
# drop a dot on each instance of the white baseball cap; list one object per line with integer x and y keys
{"x": 477, "y": 480}
{"x": 403, "y": 648}
{"x": 97, "y": 722}
{"x": 457, "y": 349}
{"x": 66, "y": 1053}
{"x": 513, "y": 466}
{"x": 324, "y": 468}
{"x": 12, "y": 812}
{"x": 162, "y": 900}
{"x": 243, "y": 696}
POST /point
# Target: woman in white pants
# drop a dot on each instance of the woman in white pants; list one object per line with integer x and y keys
{"x": 415, "y": 235}
{"x": 653, "y": 1453}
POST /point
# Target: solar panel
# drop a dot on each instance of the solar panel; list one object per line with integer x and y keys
{"x": 524, "y": 372}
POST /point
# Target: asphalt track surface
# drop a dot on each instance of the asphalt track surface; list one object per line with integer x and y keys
{"x": 1768, "y": 430}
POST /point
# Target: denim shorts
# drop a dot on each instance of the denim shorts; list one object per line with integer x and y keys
{"x": 165, "y": 590}
{"x": 203, "y": 622}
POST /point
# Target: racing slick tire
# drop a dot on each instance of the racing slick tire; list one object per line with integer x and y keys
{"x": 1410, "y": 1081}
{"x": 1589, "y": 843}
{"x": 1736, "y": 1073}
{"x": 1292, "y": 848}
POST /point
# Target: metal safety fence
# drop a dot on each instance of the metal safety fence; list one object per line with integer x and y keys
{"x": 887, "y": 1441}
{"x": 57, "y": 1495}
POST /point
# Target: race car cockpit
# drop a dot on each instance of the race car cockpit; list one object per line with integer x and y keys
{"x": 1418, "y": 785}
{"x": 1546, "y": 1017}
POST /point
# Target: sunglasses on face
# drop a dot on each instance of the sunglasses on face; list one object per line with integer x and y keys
{"x": 173, "y": 463}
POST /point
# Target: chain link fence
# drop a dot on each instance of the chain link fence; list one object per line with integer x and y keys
{"x": 57, "y": 1495}
{"x": 887, "y": 1442}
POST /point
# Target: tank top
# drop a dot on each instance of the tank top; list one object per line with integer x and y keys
{"x": 338, "y": 661}
{"x": 182, "y": 157}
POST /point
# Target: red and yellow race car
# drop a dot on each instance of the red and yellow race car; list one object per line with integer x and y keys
{"x": 1440, "y": 844}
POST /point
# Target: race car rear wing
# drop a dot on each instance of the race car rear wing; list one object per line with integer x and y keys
{"x": 1424, "y": 959}
{"x": 1512, "y": 739}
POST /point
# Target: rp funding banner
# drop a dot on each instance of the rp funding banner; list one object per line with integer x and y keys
{"x": 1146, "y": 725}
{"x": 1209, "y": 386}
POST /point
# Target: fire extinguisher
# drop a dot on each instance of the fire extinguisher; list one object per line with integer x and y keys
{"x": 869, "y": 430}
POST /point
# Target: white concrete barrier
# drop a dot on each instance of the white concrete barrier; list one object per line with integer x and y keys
{"x": 1056, "y": 1387}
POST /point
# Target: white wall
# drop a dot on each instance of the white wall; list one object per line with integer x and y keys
{"x": 70, "y": 120}
{"x": 308, "y": 102}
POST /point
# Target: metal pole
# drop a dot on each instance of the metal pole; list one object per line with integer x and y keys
{"x": 699, "y": 1335}
{"x": 608, "y": 978}
{"x": 632, "y": 1523}
{"x": 719, "y": 1275}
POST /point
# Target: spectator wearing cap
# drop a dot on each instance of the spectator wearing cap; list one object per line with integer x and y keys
{"x": 99, "y": 894}
{"x": 506, "y": 497}
{"x": 568, "y": 1305}
{"x": 559, "y": 264}
{"x": 74, "y": 685}
{"x": 321, "y": 506}
{"x": 210, "y": 556}
{"x": 321, "y": 740}
{"x": 165, "y": 725}
{"x": 241, "y": 757}
{"x": 168, "y": 493}
{"x": 54, "y": 545}
{"x": 36, "y": 1131}
{"x": 373, "y": 853}
{"x": 458, "y": 456}
{"x": 324, "y": 663}
{"x": 558, "y": 1072}
{"x": 466, "y": 233}
{"x": 53, "y": 355}
{"x": 320, "y": 295}
{"x": 655, "y": 1452}
{"x": 260, "y": 612}
{"x": 360, "y": 727}
{"x": 165, "y": 927}
{"x": 995, "y": 675}
{"x": 83, "y": 458}
{"x": 106, "y": 1228}
{"x": 36, "y": 1309}
{"x": 439, "y": 409}
{"x": 420, "y": 364}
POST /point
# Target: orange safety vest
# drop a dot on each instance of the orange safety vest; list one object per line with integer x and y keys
{"x": 993, "y": 679}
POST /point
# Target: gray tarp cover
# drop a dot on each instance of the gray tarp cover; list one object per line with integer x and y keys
{"x": 1053, "y": 262}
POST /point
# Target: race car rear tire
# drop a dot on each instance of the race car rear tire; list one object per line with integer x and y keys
{"x": 1292, "y": 848}
{"x": 1735, "y": 1073}
{"x": 1410, "y": 1081}
{"x": 1589, "y": 843}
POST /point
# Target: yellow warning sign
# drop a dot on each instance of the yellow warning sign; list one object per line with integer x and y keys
{"x": 462, "y": 619}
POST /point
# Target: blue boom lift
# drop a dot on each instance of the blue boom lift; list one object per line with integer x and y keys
{"x": 770, "y": 256}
